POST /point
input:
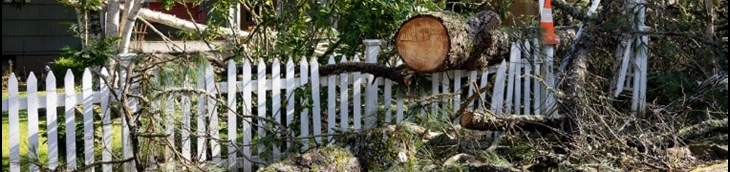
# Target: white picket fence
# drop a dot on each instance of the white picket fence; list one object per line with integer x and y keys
{"x": 521, "y": 85}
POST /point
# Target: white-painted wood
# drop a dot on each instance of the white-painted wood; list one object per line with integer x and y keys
{"x": 357, "y": 98}
{"x": 13, "y": 115}
{"x": 247, "y": 111}
{"x": 473, "y": 87}
{"x": 457, "y": 90}
{"x": 511, "y": 77}
{"x": 276, "y": 100}
{"x": 106, "y": 121}
{"x": 316, "y": 105}
{"x": 231, "y": 112}
{"x": 70, "y": 109}
{"x": 261, "y": 104}
{"x": 88, "y": 112}
{"x": 538, "y": 86}
{"x": 304, "y": 114}
{"x": 624, "y": 68}
{"x": 372, "y": 48}
{"x": 331, "y": 103}
{"x": 52, "y": 120}
{"x": 32, "y": 94}
{"x": 499, "y": 87}
{"x": 215, "y": 148}
{"x": 435, "y": 85}
{"x": 185, "y": 120}
{"x": 344, "y": 99}
{"x": 483, "y": 82}
{"x": 526, "y": 78}
{"x": 200, "y": 132}
{"x": 289, "y": 96}
{"x": 387, "y": 100}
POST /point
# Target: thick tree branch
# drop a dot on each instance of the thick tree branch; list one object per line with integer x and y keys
{"x": 397, "y": 74}
{"x": 484, "y": 120}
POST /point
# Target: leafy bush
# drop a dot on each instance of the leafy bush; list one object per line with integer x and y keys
{"x": 96, "y": 54}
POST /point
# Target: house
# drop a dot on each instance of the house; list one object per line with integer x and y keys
{"x": 34, "y": 34}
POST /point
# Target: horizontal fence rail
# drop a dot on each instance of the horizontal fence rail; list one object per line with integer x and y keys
{"x": 291, "y": 92}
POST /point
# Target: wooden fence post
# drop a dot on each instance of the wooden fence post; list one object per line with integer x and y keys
{"x": 371, "y": 93}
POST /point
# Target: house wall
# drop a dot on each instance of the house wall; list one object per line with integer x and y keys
{"x": 34, "y": 34}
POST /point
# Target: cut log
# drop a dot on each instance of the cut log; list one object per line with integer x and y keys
{"x": 438, "y": 41}
{"x": 484, "y": 120}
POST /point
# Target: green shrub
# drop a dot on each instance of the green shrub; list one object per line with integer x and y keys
{"x": 96, "y": 54}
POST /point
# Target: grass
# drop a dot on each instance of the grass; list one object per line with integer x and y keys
{"x": 43, "y": 147}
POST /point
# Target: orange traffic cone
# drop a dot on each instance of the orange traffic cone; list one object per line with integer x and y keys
{"x": 546, "y": 23}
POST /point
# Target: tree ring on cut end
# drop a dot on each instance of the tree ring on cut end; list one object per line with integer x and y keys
{"x": 423, "y": 43}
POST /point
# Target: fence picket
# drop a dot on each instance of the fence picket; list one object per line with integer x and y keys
{"x": 231, "y": 112}
{"x": 445, "y": 89}
{"x": 169, "y": 113}
{"x": 549, "y": 96}
{"x": 514, "y": 54}
{"x": 482, "y": 83}
{"x": 247, "y": 111}
{"x": 261, "y": 103}
{"x": 472, "y": 88}
{"x": 51, "y": 120}
{"x": 537, "y": 86}
{"x": 316, "y": 109}
{"x": 200, "y": 123}
{"x": 290, "y": 97}
{"x": 387, "y": 100}
{"x": 344, "y": 97}
{"x": 526, "y": 87}
{"x": 331, "y": 103}
{"x": 457, "y": 90}
{"x": 88, "y": 118}
{"x": 304, "y": 114}
{"x": 70, "y": 107}
{"x": 106, "y": 121}
{"x": 215, "y": 147}
{"x": 357, "y": 98}
{"x": 185, "y": 120}
{"x": 498, "y": 94}
{"x": 32, "y": 98}
{"x": 399, "y": 101}
{"x": 435, "y": 81}
{"x": 13, "y": 113}
{"x": 276, "y": 99}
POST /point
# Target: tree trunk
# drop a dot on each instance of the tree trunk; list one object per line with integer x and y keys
{"x": 439, "y": 41}
{"x": 182, "y": 24}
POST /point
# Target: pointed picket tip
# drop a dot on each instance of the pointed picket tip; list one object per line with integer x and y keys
{"x": 276, "y": 61}
{"x": 231, "y": 65}
{"x": 50, "y": 79}
{"x": 69, "y": 74}
{"x": 87, "y": 74}
{"x": 331, "y": 60}
{"x": 104, "y": 72}
{"x": 31, "y": 78}
{"x": 356, "y": 58}
{"x": 13, "y": 83}
{"x": 344, "y": 59}
{"x": 261, "y": 63}
{"x": 289, "y": 61}
{"x": 303, "y": 61}
{"x": 246, "y": 62}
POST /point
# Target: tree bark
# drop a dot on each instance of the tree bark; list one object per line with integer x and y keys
{"x": 438, "y": 41}
{"x": 182, "y": 24}
{"x": 484, "y": 120}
